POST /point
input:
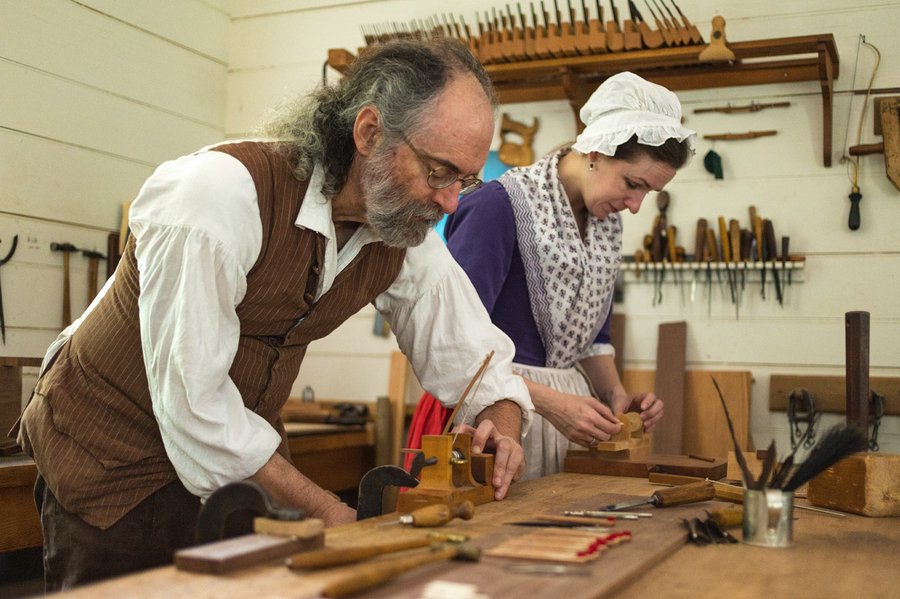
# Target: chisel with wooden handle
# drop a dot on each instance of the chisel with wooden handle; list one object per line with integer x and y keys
{"x": 690, "y": 493}
{"x": 329, "y": 557}
{"x": 699, "y": 252}
{"x": 367, "y": 576}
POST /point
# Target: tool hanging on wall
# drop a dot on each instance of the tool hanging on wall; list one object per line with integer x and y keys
{"x": 66, "y": 249}
{"x": 752, "y": 107}
{"x": 505, "y": 36}
{"x": 93, "y": 268}
{"x": 802, "y": 409}
{"x": 517, "y": 154}
{"x": 4, "y": 260}
{"x": 717, "y": 50}
{"x": 854, "y": 221}
{"x": 739, "y": 136}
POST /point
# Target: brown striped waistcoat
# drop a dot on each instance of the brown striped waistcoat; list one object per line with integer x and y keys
{"x": 90, "y": 426}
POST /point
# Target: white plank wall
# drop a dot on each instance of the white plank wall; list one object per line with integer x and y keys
{"x": 96, "y": 93}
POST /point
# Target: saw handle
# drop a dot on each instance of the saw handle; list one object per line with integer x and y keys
{"x": 690, "y": 493}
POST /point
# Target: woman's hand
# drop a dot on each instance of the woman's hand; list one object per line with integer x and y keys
{"x": 646, "y": 404}
{"x": 582, "y": 419}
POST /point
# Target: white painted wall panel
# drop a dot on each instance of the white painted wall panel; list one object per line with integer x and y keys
{"x": 82, "y": 185}
{"x": 49, "y": 107}
{"x": 94, "y": 95}
{"x": 198, "y": 27}
{"x": 84, "y": 47}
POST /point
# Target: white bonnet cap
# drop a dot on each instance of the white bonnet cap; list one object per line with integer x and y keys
{"x": 626, "y": 105}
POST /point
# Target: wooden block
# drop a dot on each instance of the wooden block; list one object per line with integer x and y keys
{"x": 584, "y": 462}
{"x": 310, "y": 527}
{"x": 229, "y": 555}
{"x": 864, "y": 483}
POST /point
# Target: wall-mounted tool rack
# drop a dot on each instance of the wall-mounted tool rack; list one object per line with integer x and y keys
{"x": 690, "y": 268}
{"x": 759, "y": 62}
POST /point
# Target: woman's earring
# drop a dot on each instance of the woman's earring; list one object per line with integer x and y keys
{"x": 590, "y": 166}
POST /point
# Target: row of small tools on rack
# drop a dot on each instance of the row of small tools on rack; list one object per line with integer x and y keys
{"x": 731, "y": 256}
{"x": 507, "y": 36}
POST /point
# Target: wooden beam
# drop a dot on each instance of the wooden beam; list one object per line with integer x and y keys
{"x": 857, "y": 344}
{"x": 830, "y": 392}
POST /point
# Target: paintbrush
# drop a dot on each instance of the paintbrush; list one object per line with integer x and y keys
{"x": 839, "y": 442}
{"x": 782, "y": 472}
{"x": 738, "y": 454}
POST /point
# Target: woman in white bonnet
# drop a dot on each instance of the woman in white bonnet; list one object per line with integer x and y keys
{"x": 542, "y": 246}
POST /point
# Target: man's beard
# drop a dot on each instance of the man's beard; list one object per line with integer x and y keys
{"x": 393, "y": 213}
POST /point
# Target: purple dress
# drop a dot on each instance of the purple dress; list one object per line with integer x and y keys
{"x": 481, "y": 235}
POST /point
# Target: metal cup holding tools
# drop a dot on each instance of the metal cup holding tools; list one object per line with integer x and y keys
{"x": 769, "y": 518}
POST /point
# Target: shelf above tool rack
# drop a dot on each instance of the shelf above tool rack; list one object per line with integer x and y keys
{"x": 758, "y": 62}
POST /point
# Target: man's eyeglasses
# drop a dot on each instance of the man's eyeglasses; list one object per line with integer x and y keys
{"x": 442, "y": 176}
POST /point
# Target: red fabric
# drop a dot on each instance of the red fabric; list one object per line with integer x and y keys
{"x": 429, "y": 418}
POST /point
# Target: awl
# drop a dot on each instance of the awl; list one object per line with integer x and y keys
{"x": 689, "y": 493}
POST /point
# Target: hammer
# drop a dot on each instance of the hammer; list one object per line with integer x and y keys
{"x": 93, "y": 262}
{"x": 66, "y": 249}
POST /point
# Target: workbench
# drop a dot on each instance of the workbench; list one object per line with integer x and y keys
{"x": 335, "y": 456}
{"x": 831, "y": 556}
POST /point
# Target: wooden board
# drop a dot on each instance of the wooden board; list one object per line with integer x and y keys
{"x": 705, "y": 432}
{"x": 830, "y": 392}
{"x": 670, "y": 360}
{"x": 889, "y": 117}
{"x": 583, "y": 462}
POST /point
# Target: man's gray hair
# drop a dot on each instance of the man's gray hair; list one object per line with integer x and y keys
{"x": 400, "y": 79}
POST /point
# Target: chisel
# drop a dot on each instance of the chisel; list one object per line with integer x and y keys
{"x": 690, "y": 493}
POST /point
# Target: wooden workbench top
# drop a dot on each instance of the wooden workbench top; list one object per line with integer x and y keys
{"x": 852, "y": 556}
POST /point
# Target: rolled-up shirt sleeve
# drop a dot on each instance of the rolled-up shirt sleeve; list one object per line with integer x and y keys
{"x": 445, "y": 332}
{"x": 197, "y": 233}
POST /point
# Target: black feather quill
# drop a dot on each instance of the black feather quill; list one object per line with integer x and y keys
{"x": 768, "y": 465}
{"x": 839, "y": 442}
{"x": 738, "y": 454}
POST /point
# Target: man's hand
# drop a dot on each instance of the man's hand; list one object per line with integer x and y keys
{"x": 509, "y": 457}
{"x": 499, "y": 426}
{"x": 288, "y": 487}
{"x": 583, "y": 420}
{"x": 337, "y": 514}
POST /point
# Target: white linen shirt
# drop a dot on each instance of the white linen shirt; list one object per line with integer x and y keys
{"x": 198, "y": 233}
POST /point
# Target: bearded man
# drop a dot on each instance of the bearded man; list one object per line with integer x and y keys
{"x": 170, "y": 385}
